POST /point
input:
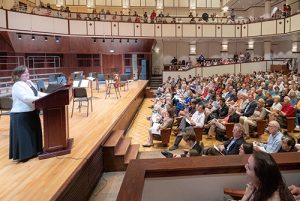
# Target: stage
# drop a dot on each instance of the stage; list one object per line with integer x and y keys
{"x": 58, "y": 177}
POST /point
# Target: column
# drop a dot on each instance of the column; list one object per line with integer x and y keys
{"x": 267, "y": 50}
{"x": 296, "y": 54}
{"x": 268, "y": 9}
{"x": 37, "y": 2}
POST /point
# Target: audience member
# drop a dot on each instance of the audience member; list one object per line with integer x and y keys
{"x": 274, "y": 141}
{"x": 265, "y": 179}
{"x": 196, "y": 120}
{"x": 230, "y": 147}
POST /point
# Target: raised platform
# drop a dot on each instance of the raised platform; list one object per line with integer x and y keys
{"x": 72, "y": 176}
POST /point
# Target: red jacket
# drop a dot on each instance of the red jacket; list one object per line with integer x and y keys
{"x": 288, "y": 110}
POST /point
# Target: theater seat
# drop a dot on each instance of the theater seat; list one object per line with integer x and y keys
{"x": 165, "y": 136}
{"x": 236, "y": 194}
{"x": 198, "y": 131}
{"x": 290, "y": 124}
{"x": 260, "y": 128}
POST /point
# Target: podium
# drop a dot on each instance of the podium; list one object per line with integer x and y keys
{"x": 56, "y": 122}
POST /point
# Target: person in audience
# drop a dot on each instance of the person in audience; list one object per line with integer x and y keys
{"x": 274, "y": 141}
{"x": 265, "y": 179}
{"x": 155, "y": 130}
{"x": 246, "y": 148}
{"x": 288, "y": 144}
{"x": 219, "y": 113}
{"x": 269, "y": 100}
{"x": 194, "y": 148}
{"x": 287, "y": 111}
{"x": 153, "y": 16}
{"x": 249, "y": 108}
{"x": 174, "y": 61}
{"x": 220, "y": 124}
{"x": 259, "y": 114}
{"x": 145, "y": 17}
{"x": 25, "y": 126}
{"x": 196, "y": 120}
{"x": 231, "y": 146}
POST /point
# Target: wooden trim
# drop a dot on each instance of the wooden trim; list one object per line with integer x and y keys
{"x": 86, "y": 173}
{"x": 138, "y": 170}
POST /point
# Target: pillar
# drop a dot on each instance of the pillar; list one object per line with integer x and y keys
{"x": 268, "y": 9}
{"x": 296, "y": 54}
{"x": 267, "y": 50}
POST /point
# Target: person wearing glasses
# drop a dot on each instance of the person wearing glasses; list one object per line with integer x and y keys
{"x": 274, "y": 141}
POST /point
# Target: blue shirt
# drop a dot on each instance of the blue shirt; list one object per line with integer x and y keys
{"x": 274, "y": 143}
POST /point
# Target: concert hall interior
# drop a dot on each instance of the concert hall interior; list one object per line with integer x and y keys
{"x": 147, "y": 99}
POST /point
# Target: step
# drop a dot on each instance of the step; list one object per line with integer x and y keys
{"x": 123, "y": 147}
{"x": 114, "y": 138}
{"x": 132, "y": 153}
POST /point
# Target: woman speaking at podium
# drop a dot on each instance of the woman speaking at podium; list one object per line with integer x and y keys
{"x": 25, "y": 125}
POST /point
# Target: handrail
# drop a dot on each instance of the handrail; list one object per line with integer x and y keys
{"x": 140, "y": 169}
{"x": 178, "y": 19}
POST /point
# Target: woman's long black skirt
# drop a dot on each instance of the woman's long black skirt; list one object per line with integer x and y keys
{"x": 25, "y": 135}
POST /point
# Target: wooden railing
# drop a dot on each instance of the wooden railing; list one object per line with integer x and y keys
{"x": 141, "y": 169}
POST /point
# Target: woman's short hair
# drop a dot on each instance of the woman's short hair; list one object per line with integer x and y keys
{"x": 17, "y": 72}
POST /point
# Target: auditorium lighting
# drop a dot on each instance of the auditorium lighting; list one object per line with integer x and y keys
{"x": 112, "y": 40}
{"x": 57, "y": 39}
{"x": 32, "y": 37}
{"x": 103, "y": 40}
{"x": 120, "y": 40}
{"x": 19, "y": 36}
{"x": 46, "y": 38}
{"x": 127, "y": 41}
{"x": 95, "y": 40}
{"x": 111, "y": 51}
{"x": 135, "y": 40}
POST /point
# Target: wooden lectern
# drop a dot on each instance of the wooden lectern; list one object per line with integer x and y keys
{"x": 56, "y": 122}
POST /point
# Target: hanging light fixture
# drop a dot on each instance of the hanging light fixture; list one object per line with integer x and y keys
{"x": 60, "y": 3}
{"x": 90, "y": 3}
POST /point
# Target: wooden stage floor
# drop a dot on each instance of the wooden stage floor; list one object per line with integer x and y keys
{"x": 42, "y": 179}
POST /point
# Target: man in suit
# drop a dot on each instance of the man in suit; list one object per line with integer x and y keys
{"x": 250, "y": 107}
{"x": 230, "y": 147}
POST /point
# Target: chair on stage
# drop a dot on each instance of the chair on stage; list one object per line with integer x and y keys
{"x": 100, "y": 80}
{"x": 124, "y": 81}
{"x": 115, "y": 82}
{"x": 52, "y": 79}
{"x": 80, "y": 96}
{"x": 5, "y": 105}
{"x": 62, "y": 80}
{"x": 41, "y": 85}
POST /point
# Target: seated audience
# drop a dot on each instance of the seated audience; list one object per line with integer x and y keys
{"x": 154, "y": 131}
{"x": 196, "y": 120}
{"x": 265, "y": 179}
{"x": 274, "y": 141}
{"x": 231, "y": 146}
{"x": 259, "y": 114}
{"x": 287, "y": 111}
